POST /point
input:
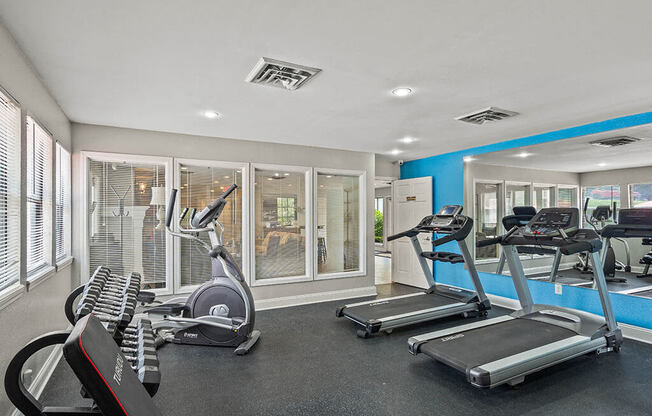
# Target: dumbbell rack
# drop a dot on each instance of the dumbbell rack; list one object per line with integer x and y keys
{"x": 113, "y": 299}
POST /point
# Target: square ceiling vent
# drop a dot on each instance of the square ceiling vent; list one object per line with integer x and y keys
{"x": 286, "y": 75}
{"x": 488, "y": 114}
{"x": 614, "y": 141}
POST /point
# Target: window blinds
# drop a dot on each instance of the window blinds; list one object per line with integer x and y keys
{"x": 63, "y": 204}
{"x": 127, "y": 220}
{"x": 200, "y": 185}
{"x": 39, "y": 184}
{"x": 9, "y": 192}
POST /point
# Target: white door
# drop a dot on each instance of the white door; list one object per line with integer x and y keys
{"x": 411, "y": 201}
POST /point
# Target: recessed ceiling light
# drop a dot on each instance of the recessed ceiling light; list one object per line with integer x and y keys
{"x": 183, "y": 168}
{"x": 227, "y": 177}
{"x": 407, "y": 140}
{"x": 524, "y": 154}
{"x": 329, "y": 176}
{"x": 402, "y": 91}
{"x": 212, "y": 114}
{"x": 395, "y": 151}
{"x": 602, "y": 164}
{"x": 469, "y": 158}
{"x": 286, "y": 174}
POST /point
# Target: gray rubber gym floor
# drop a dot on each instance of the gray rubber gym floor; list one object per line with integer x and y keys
{"x": 310, "y": 363}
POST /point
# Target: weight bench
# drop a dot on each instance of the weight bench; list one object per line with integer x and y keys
{"x": 98, "y": 363}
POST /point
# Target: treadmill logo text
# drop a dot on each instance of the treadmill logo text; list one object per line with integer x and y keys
{"x": 119, "y": 365}
{"x": 378, "y": 303}
{"x": 452, "y": 337}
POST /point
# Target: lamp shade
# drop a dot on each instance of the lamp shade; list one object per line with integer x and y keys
{"x": 158, "y": 195}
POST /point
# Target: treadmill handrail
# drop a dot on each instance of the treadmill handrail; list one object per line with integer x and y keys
{"x": 409, "y": 233}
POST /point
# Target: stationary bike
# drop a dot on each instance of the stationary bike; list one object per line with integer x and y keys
{"x": 221, "y": 311}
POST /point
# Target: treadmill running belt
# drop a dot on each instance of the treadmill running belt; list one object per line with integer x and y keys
{"x": 490, "y": 343}
{"x": 388, "y": 307}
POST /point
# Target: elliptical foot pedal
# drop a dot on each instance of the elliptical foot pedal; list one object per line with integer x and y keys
{"x": 246, "y": 346}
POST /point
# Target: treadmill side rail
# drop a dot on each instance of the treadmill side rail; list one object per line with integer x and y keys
{"x": 517, "y": 366}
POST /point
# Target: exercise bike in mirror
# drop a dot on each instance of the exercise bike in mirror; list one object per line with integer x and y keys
{"x": 607, "y": 177}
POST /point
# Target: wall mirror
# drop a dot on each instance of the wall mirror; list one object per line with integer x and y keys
{"x": 600, "y": 174}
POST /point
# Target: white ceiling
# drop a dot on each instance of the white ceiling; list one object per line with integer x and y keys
{"x": 157, "y": 64}
{"x": 577, "y": 155}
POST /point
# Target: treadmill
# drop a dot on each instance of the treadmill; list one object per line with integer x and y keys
{"x": 438, "y": 301}
{"x": 632, "y": 223}
{"x": 507, "y": 348}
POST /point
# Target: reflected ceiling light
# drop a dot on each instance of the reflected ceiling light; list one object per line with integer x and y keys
{"x": 286, "y": 174}
{"x": 602, "y": 164}
{"x": 524, "y": 154}
{"x": 212, "y": 114}
{"x": 402, "y": 91}
{"x": 269, "y": 179}
{"x": 277, "y": 174}
{"x": 469, "y": 158}
{"x": 329, "y": 176}
{"x": 227, "y": 177}
{"x": 183, "y": 168}
{"x": 395, "y": 151}
{"x": 407, "y": 140}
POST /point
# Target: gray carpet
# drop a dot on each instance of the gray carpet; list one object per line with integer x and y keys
{"x": 310, "y": 363}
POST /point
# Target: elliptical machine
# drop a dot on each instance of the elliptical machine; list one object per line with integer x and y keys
{"x": 599, "y": 218}
{"x": 221, "y": 311}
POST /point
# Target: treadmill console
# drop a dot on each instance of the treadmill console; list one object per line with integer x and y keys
{"x": 553, "y": 222}
{"x": 445, "y": 216}
{"x": 635, "y": 216}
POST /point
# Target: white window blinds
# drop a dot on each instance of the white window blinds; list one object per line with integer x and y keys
{"x": 127, "y": 215}
{"x": 63, "y": 204}
{"x": 9, "y": 192}
{"x": 39, "y": 205}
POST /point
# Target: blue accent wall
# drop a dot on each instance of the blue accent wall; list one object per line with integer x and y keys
{"x": 447, "y": 171}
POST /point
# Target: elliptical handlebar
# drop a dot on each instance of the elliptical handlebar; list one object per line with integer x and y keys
{"x": 171, "y": 202}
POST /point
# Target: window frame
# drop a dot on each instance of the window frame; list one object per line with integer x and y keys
{"x": 67, "y": 256}
{"x": 48, "y": 269}
{"x": 363, "y": 215}
{"x": 517, "y": 183}
{"x": 309, "y": 256}
{"x": 246, "y": 242}
{"x": 578, "y": 196}
{"x": 499, "y": 215}
{"x": 630, "y": 193}
{"x": 544, "y": 185}
{"x": 18, "y": 288}
{"x": 85, "y": 158}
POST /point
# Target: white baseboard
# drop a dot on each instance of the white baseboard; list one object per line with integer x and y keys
{"x": 287, "y": 301}
{"x": 44, "y": 374}
{"x": 629, "y": 331}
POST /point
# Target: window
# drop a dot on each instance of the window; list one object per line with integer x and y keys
{"x": 601, "y": 195}
{"x": 127, "y": 217}
{"x": 544, "y": 196}
{"x": 516, "y": 195}
{"x": 640, "y": 195}
{"x": 62, "y": 204}
{"x": 281, "y": 219}
{"x": 379, "y": 214}
{"x": 39, "y": 200}
{"x": 487, "y": 217}
{"x": 198, "y": 186}
{"x": 338, "y": 223}
{"x": 286, "y": 211}
{"x": 9, "y": 192}
{"x": 567, "y": 197}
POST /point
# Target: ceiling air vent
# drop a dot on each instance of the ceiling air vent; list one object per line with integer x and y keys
{"x": 488, "y": 114}
{"x": 281, "y": 74}
{"x": 614, "y": 141}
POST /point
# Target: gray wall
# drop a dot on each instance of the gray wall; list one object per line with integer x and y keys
{"x": 40, "y": 310}
{"x": 622, "y": 177}
{"x": 141, "y": 142}
{"x": 477, "y": 171}
{"x": 386, "y": 168}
